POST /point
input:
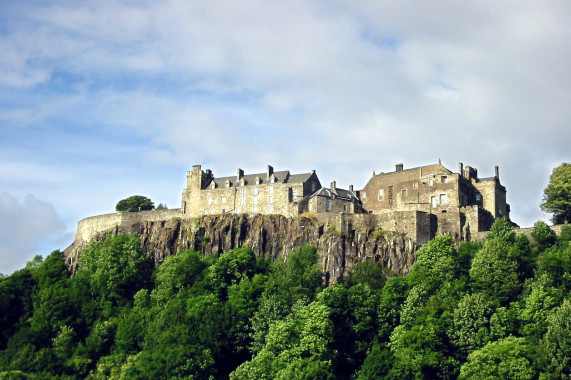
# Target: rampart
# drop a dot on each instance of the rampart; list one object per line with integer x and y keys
{"x": 89, "y": 228}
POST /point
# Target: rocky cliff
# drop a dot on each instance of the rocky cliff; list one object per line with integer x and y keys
{"x": 340, "y": 247}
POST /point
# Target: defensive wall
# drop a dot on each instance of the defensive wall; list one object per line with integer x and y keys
{"x": 90, "y": 227}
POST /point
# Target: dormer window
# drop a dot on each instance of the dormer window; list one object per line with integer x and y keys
{"x": 213, "y": 185}
{"x": 444, "y": 179}
{"x": 258, "y": 181}
{"x": 228, "y": 183}
{"x": 242, "y": 182}
{"x": 273, "y": 180}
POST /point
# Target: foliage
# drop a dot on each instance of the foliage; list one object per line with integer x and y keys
{"x": 497, "y": 310}
{"x": 162, "y": 207}
{"x": 135, "y": 203}
{"x": 507, "y": 358}
{"x": 557, "y": 194}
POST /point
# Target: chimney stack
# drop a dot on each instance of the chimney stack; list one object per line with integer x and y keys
{"x": 239, "y": 174}
{"x": 399, "y": 167}
{"x": 269, "y": 172}
{"x": 497, "y": 168}
{"x": 351, "y": 188}
{"x": 461, "y": 169}
{"x": 334, "y": 186}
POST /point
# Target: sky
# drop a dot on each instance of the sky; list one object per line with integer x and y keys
{"x": 100, "y": 100}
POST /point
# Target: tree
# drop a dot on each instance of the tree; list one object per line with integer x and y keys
{"x": 557, "y": 194}
{"x": 135, "y": 203}
{"x": 507, "y": 358}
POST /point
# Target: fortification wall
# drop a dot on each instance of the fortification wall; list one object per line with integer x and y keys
{"x": 89, "y": 228}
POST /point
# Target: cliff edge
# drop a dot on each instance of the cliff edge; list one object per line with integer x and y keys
{"x": 340, "y": 243}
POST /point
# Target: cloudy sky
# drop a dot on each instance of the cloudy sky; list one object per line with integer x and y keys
{"x": 104, "y": 99}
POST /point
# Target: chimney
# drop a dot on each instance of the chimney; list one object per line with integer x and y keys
{"x": 239, "y": 174}
{"x": 334, "y": 186}
{"x": 351, "y": 188}
{"x": 497, "y": 168}
{"x": 461, "y": 169}
{"x": 269, "y": 172}
{"x": 399, "y": 167}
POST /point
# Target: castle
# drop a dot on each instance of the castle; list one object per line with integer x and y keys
{"x": 427, "y": 200}
{"x": 418, "y": 203}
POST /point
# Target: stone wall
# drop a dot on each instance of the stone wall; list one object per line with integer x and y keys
{"x": 89, "y": 228}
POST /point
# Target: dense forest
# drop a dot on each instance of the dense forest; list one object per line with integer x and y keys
{"x": 500, "y": 309}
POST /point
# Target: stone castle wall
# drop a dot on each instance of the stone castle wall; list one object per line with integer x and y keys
{"x": 89, "y": 228}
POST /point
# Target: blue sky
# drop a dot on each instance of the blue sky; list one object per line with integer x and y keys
{"x": 104, "y": 99}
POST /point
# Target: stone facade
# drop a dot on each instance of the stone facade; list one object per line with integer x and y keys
{"x": 335, "y": 200}
{"x": 264, "y": 193}
{"x": 461, "y": 202}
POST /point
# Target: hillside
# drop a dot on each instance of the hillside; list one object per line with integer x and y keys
{"x": 497, "y": 309}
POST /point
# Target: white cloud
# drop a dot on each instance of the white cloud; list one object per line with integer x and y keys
{"x": 25, "y": 228}
{"x": 342, "y": 87}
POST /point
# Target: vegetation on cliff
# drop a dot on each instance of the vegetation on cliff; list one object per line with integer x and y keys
{"x": 501, "y": 309}
{"x": 557, "y": 194}
{"x": 135, "y": 203}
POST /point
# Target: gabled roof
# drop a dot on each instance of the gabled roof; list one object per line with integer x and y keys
{"x": 250, "y": 179}
{"x": 342, "y": 194}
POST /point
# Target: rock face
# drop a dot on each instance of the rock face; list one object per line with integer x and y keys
{"x": 340, "y": 248}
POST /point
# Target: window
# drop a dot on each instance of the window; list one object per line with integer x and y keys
{"x": 270, "y": 189}
{"x": 257, "y": 181}
{"x": 270, "y": 208}
{"x": 364, "y": 195}
{"x": 227, "y": 184}
{"x": 242, "y": 183}
{"x": 270, "y": 199}
{"x": 212, "y": 211}
{"x": 216, "y": 201}
{"x": 255, "y": 209}
{"x": 209, "y": 201}
{"x": 415, "y": 185}
{"x": 242, "y": 192}
{"x": 403, "y": 193}
{"x": 213, "y": 186}
{"x": 478, "y": 197}
{"x": 255, "y": 201}
{"x": 313, "y": 187}
{"x": 328, "y": 205}
{"x": 444, "y": 179}
{"x": 381, "y": 194}
{"x": 431, "y": 182}
{"x": 433, "y": 201}
{"x": 223, "y": 200}
{"x": 237, "y": 210}
{"x": 272, "y": 180}
{"x": 443, "y": 199}
{"x": 205, "y": 212}
{"x": 500, "y": 211}
{"x": 344, "y": 207}
{"x": 242, "y": 201}
{"x": 255, "y": 191}
{"x": 293, "y": 194}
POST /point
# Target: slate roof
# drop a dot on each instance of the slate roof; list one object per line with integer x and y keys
{"x": 345, "y": 195}
{"x": 250, "y": 179}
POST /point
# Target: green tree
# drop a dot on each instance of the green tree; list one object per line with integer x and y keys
{"x": 557, "y": 194}
{"x": 296, "y": 348}
{"x": 557, "y": 344}
{"x": 115, "y": 269}
{"x": 507, "y": 358}
{"x": 543, "y": 236}
{"x": 135, "y": 203}
{"x": 495, "y": 270}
